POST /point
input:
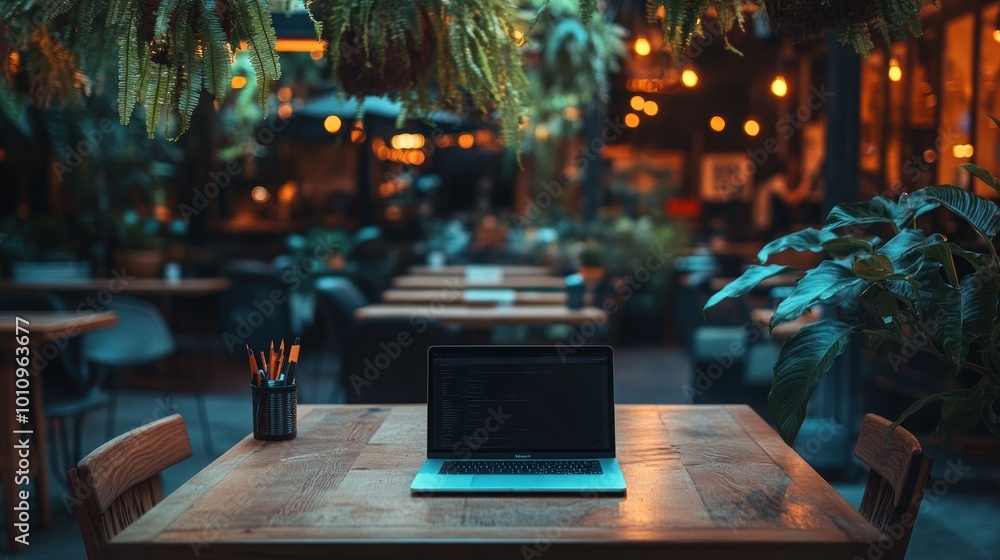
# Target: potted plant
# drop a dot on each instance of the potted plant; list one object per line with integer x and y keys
{"x": 894, "y": 284}
{"x": 592, "y": 264}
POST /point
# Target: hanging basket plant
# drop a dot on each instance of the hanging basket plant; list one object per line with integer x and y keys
{"x": 167, "y": 52}
{"x": 853, "y": 20}
{"x": 430, "y": 55}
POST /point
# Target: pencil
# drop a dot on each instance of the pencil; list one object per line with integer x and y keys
{"x": 281, "y": 358}
{"x": 263, "y": 365}
{"x": 253, "y": 367}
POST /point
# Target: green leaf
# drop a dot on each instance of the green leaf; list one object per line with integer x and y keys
{"x": 978, "y": 261}
{"x": 983, "y": 175}
{"x": 941, "y": 253}
{"x": 905, "y": 250}
{"x": 803, "y": 360}
{"x": 808, "y": 239}
{"x": 980, "y": 302}
{"x": 875, "y": 267}
{"x": 981, "y": 214}
{"x": 216, "y": 56}
{"x": 879, "y": 210}
{"x": 820, "y": 284}
{"x": 914, "y": 408}
{"x": 944, "y": 322}
{"x": 755, "y": 274}
{"x": 261, "y": 44}
{"x": 848, "y": 245}
{"x": 131, "y": 66}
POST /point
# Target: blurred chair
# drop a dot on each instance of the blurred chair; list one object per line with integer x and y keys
{"x": 254, "y": 287}
{"x": 337, "y": 298}
{"x": 69, "y": 390}
{"x": 378, "y": 369}
{"x": 119, "y": 482}
{"x": 896, "y": 482}
{"x": 141, "y": 336}
{"x": 30, "y": 271}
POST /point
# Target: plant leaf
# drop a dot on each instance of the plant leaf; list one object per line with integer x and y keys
{"x": 980, "y": 301}
{"x": 847, "y": 245}
{"x": 822, "y": 283}
{"x": 983, "y": 175}
{"x": 981, "y": 213}
{"x": 878, "y": 210}
{"x": 753, "y": 275}
{"x": 944, "y": 322}
{"x": 914, "y": 408}
{"x": 803, "y": 360}
{"x": 808, "y": 239}
{"x": 875, "y": 267}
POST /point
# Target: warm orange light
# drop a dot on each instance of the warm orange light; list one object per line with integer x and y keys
{"x": 650, "y": 108}
{"x": 332, "y": 124}
{"x": 482, "y": 137}
{"x": 717, "y": 123}
{"x": 930, "y": 155}
{"x": 779, "y": 87}
{"x": 286, "y": 194}
{"x": 689, "y": 78}
{"x": 285, "y": 110}
{"x": 358, "y": 133}
{"x": 642, "y": 46}
{"x": 542, "y": 132}
{"x": 443, "y": 141}
{"x": 996, "y": 35}
{"x": 637, "y": 102}
{"x": 518, "y": 37}
{"x": 465, "y": 140}
{"x": 284, "y": 94}
{"x": 962, "y": 151}
{"x": 300, "y": 45}
{"x": 751, "y": 127}
{"x": 383, "y": 152}
{"x": 259, "y": 194}
{"x": 571, "y": 113}
{"x": 239, "y": 82}
{"x": 631, "y": 120}
{"x": 316, "y": 55}
{"x": 895, "y": 72}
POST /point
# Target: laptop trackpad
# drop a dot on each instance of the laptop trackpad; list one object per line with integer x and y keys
{"x": 535, "y": 483}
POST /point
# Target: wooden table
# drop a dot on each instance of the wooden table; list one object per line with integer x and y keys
{"x": 132, "y": 286}
{"x": 461, "y": 283}
{"x": 521, "y": 297}
{"x": 43, "y": 327}
{"x": 703, "y": 482}
{"x": 461, "y": 269}
{"x": 479, "y": 317}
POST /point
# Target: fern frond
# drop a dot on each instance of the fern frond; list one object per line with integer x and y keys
{"x": 262, "y": 45}
{"x": 131, "y": 64}
{"x": 216, "y": 58}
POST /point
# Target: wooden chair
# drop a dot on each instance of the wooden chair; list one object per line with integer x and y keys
{"x": 899, "y": 473}
{"x": 120, "y": 481}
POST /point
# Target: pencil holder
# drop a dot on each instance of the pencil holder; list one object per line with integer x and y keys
{"x": 274, "y": 412}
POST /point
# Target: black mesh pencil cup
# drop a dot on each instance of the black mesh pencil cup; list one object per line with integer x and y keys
{"x": 274, "y": 412}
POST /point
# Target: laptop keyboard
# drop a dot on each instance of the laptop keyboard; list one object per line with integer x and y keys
{"x": 521, "y": 467}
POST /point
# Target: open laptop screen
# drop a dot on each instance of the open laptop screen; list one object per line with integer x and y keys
{"x": 520, "y": 401}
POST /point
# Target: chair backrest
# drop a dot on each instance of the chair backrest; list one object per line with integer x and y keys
{"x": 899, "y": 473}
{"x": 377, "y": 368}
{"x": 120, "y": 481}
{"x": 337, "y": 298}
{"x": 257, "y": 302}
{"x": 140, "y": 336}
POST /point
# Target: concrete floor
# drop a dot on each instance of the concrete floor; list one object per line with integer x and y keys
{"x": 960, "y": 523}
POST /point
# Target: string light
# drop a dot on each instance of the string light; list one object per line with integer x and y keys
{"x": 650, "y": 108}
{"x": 631, "y": 120}
{"x": 717, "y": 123}
{"x": 465, "y": 140}
{"x": 895, "y": 72}
{"x": 637, "y": 102}
{"x": 642, "y": 46}
{"x": 689, "y": 78}
{"x": 779, "y": 87}
{"x": 239, "y": 82}
{"x": 332, "y": 124}
{"x": 751, "y": 127}
{"x": 259, "y": 194}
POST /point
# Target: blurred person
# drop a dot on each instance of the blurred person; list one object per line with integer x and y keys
{"x": 779, "y": 191}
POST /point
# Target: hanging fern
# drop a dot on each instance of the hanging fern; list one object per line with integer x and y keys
{"x": 430, "y": 55}
{"x": 168, "y": 51}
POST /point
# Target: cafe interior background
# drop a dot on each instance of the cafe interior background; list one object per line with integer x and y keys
{"x": 300, "y": 200}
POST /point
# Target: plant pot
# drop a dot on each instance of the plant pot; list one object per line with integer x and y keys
{"x": 146, "y": 263}
{"x": 592, "y": 273}
{"x": 808, "y": 19}
{"x": 405, "y": 60}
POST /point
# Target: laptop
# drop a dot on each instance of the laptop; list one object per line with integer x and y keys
{"x": 520, "y": 419}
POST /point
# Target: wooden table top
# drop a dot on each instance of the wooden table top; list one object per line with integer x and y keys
{"x": 521, "y": 297}
{"x": 461, "y": 269}
{"x": 132, "y": 286}
{"x": 461, "y": 283}
{"x": 486, "y": 317}
{"x": 703, "y": 482}
{"x": 55, "y": 323}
